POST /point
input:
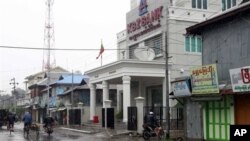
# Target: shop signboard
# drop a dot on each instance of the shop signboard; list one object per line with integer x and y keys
{"x": 240, "y": 79}
{"x": 204, "y": 80}
{"x": 181, "y": 88}
{"x": 52, "y": 101}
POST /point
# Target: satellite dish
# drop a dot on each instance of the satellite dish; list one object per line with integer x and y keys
{"x": 144, "y": 53}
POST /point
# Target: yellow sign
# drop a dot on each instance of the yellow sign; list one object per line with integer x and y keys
{"x": 204, "y": 80}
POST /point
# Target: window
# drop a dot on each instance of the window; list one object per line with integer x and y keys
{"x": 227, "y": 4}
{"x": 131, "y": 51}
{"x": 193, "y": 44}
{"x": 199, "y": 4}
{"x": 155, "y": 43}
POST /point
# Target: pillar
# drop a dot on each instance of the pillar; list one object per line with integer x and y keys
{"x": 118, "y": 100}
{"x": 105, "y": 91}
{"x": 68, "y": 106}
{"x": 126, "y": 97}
{"x": 139, "y": 104}
{"x": 107, "y": 104}
{"x": 92, "y": 101}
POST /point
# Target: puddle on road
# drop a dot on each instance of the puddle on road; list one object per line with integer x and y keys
{"x": 70, "y": 136}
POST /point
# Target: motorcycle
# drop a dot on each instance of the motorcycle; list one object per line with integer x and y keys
{"x": 48, "y": 129}
{"x": 150, "y": 132}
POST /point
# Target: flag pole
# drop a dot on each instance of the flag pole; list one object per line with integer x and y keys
{"x": 101, "y": 59}
{"x": 101, "y": 54}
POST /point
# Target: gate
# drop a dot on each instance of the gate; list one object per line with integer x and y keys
{"x": 132, "y": 118}
{"x": 110, "y": 118}
{"x": 158, "y": 111}
{"x": 176, "y": 119}
{"x": 75, "y": 116}
{"x": 176, "y": 116}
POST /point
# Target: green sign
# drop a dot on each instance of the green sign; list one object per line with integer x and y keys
{"x": 204, "y": 80}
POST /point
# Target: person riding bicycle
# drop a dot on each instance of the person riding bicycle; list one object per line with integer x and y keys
{"x": 11, "y": 120}
{"x": 48, "y": 121}
{"x": 27, "y": 119}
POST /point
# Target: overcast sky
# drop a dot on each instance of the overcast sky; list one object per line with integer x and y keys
{"x": 77, "y": 24}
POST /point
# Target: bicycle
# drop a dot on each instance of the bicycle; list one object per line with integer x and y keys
{"x": 26, "y": 130}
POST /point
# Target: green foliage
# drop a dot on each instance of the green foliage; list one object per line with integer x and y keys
{"x": 119, "y": 115}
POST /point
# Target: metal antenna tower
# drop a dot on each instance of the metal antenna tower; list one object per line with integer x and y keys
{"x": 49, "y": 38}
{"x": 49, "y": 45}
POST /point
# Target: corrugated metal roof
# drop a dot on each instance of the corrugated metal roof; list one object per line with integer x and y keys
{"x": 76, "y": 78}
{"x": 234, "y": 11}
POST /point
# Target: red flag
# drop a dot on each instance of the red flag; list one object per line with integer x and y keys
{"x": 101, "y": 51}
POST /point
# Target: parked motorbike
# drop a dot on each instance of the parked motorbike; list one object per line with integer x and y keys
{"x": 149, "y": 132}
{"x": 48, "y": 129}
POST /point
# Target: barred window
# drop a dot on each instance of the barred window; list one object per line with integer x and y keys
{"x": 131, "y": 51}
{"x": 155, "y": 43}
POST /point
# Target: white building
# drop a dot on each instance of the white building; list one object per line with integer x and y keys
{"x": 140, "y": 67}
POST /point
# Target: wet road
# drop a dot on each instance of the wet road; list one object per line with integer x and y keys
{"x": 61, "y": 135}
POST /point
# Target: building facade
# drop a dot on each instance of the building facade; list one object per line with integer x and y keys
{"x": 226, "y": 44}
{"x": 153, "y": 27}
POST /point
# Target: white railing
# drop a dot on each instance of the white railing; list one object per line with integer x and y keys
{"x": 189, "y": 14}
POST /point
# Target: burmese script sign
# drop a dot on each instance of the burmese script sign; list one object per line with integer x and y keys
{"x": 204, "y": 80}
{"x": 240, "y": 79}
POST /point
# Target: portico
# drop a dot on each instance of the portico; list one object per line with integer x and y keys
{"x": 134, "y": 77}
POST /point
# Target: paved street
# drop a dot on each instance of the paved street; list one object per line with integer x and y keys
{"x": 61, "y": 135}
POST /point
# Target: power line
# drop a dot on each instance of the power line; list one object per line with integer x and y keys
{"x": 66, "y": 49}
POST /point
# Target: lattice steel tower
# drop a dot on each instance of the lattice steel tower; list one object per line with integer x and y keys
{"x": 49, "y": 38}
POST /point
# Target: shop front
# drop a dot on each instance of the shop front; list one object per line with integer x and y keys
{"x": 240, "y": 80}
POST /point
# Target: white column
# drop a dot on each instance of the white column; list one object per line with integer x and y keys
{"x": 105, "y": 91}
{"x": 92, "y": 101}
{"x": 140, "y": 89}
{"x": 118, "y": 100}
{"x": 139, "y": 105}
{"x": 107, "y": 103}
{"x": 126, "y": 97}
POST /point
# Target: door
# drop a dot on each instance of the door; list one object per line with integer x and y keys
{"x": 218, "y": 119}
{"x": 242, "y": 110}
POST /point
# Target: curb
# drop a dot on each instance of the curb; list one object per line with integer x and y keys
{"x": 76, "y": 130}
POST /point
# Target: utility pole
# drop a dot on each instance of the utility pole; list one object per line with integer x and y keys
{"x": 167, "y": 86}
{"x": 72, "y": 97}
{"x": 14, "y": 83}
